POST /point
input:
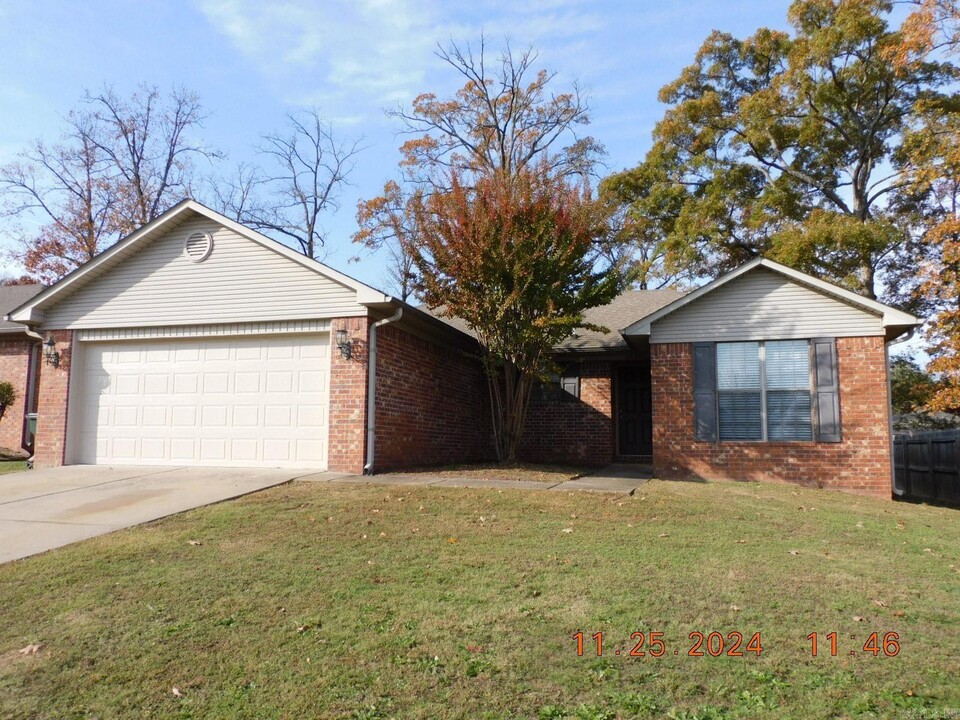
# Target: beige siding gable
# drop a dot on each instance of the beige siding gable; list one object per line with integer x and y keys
{"x": 764, "y": 305}
{"x": 241, "y": 281}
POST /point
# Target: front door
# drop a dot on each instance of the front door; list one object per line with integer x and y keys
{"x": 634, "y": 414}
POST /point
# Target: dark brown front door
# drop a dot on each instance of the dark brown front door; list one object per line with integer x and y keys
{"x": 634, "y": 415}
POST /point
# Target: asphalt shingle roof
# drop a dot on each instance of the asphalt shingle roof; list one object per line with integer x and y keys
{"x": 625, "y": 310}
{"x": 12, "y": 297}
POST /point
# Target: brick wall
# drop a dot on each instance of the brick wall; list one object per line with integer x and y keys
{"x": 578, "y": 431}
{"x": 348, "y": 397}
{"x": 14, "y": 369}
{"x": 861, "y": 463}
{"x": 432, "y": 406}
{"x": 52, "y": 406}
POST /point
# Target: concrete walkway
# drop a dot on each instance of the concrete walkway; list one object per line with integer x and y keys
{"x": 620, "y": 478}
{"x": 45, "y": 509}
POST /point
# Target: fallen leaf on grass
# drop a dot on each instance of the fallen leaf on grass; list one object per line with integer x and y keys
{"x": 664, "y": 534}
{"x": 879, "y": 603}
{"x": 475, "y": 648}
{"x": 31, "y": 649}
{"x": 452, "y": 541}
{"x": 898, "y": 613}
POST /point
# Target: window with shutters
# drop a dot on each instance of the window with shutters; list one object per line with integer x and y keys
{"x": 764, "y": 390}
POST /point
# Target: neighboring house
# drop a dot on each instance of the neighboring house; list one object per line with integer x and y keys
{"x": 19, "y": 366}
{"x": 198, "y": 341}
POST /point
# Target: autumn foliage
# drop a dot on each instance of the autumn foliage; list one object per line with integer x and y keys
{"x": 513, "y": 256}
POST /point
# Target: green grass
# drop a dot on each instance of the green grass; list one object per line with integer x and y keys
{"x": 351, "y": 601}
{"x": 12, "y": 466}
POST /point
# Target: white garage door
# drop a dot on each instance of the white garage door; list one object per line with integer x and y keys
{"x": 258, "y": 401}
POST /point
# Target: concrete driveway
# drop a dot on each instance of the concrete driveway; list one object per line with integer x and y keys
{"x": 45, "y": 509}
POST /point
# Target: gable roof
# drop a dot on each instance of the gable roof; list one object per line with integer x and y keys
{"x": 629, "y": 306}
{"x": 30, "y": 311}
{"x": 895, "y": 322}
{"x": 12, "y": 296}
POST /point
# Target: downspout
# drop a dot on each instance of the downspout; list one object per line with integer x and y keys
{"x": 372, "y": 388}
{"x": 39, "y": 338}
{"x": 886, "y": 352}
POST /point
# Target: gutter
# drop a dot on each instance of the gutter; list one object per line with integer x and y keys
{"x": 886, "y": 351}
{"x": 372, "y": 388}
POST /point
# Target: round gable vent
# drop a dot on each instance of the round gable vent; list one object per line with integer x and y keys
{"x": 198, "y": 246}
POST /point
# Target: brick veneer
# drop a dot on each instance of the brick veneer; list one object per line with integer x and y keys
{"x": 52, "y": 405}
{"x": 861, "y": 463}
{"x": 14, "y": 369}
{"x": 348, "y": 397}
{"x": 578, "y": 431}
{"x": 432, "y": 404}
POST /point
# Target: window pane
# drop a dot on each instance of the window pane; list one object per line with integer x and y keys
{"x": 788, "y": 365}
{"x": 738, "y": 366}
{"x": 740, "y": 417}
{"x": 788, "y": 415}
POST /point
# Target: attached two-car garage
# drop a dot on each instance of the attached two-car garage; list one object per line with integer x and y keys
{"x": 240, "y": 401}
{"x": 211, "y": 401}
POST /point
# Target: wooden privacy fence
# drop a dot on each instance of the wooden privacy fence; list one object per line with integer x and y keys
{"x": 927, "y": 466}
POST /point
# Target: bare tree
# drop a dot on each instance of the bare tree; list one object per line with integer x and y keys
{"x": 237, "y": 196}
{"x": 118, "y": 164}
{"x": 311, "y": 168}
{"x": 504, "y": 118}
{"x": 147, "y": 140}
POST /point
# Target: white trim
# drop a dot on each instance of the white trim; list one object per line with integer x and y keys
{"x": 889, "y": 316}
{"x": 280, "y": 327}
{"x": 31, "y": 312}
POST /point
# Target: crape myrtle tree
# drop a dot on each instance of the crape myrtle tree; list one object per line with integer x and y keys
{"x": 493, "y": 221}
{"x": 784, "y": 144}
{"x": 512, "y": 254}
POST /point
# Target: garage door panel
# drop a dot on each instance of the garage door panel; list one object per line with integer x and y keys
{"x": 239, "y": 401}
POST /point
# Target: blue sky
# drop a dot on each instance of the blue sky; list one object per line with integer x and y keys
{"x": 252, "y": 61}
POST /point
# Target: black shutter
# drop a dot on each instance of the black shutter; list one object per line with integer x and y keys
{"x": 705, "y": 391}
{"x": 826, "y": 390}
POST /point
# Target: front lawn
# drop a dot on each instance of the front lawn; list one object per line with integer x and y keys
{"x": 12, "y": 466}
{"x": 551, "y": 474}
{"x": 328, "y": 600}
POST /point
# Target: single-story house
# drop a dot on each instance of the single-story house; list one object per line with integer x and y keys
{"x": 196, "y": 340}
{"x": 19, "y": 366}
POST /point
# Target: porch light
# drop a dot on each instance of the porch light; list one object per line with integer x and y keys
{"x": 50, "y": 353}
{"x": 343, "y": 345}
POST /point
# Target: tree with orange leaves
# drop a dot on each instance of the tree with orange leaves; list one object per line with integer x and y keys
{"x": 512, "y": 255}
{"x": 931, "y": 149}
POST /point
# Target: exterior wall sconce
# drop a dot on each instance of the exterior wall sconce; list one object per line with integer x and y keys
{"x": 50, "y": 354}
{"x": 343, "y": 345}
